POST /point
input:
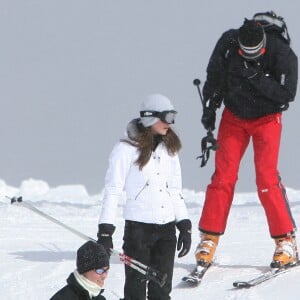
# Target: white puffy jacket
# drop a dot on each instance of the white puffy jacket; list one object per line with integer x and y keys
{"x": 153, "y": 194}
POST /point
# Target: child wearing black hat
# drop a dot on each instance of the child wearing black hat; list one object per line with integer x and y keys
{"x": 87, "y": 281}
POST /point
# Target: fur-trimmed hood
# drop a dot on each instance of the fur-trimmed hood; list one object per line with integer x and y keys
{"x": 134, "y": 130}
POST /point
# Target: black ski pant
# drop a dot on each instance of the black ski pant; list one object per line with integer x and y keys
{"x": 153, "y": 245}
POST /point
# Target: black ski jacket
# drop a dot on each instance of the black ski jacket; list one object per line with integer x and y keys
{"x": 269, "y": 91}
{"x": 73, "y": 290}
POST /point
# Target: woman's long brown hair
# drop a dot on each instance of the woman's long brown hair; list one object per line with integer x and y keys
{"x": 145, "y": 142}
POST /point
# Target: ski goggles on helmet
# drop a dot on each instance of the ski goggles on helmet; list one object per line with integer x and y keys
{"x": 101, "y": 271}
{"x": 167, "y": 116}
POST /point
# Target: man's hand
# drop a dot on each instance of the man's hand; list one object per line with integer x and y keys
{"x": 251, "y": 69}
{"x": 208, "y": 118}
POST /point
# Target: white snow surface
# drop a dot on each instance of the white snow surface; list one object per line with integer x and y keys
{"x": 37, "y": 255}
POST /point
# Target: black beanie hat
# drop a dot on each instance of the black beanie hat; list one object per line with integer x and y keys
{"x": 252, "y": 39}
{"x": 91, "y": 256}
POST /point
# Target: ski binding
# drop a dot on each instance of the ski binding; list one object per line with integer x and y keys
{"x": 195, "y": 277}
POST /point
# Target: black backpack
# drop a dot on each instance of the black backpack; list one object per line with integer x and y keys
{"x": 273, "y": 24}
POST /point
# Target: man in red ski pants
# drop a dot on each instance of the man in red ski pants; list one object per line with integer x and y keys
{"x": 254, "y": 74}
{"x": 233, "y": 137}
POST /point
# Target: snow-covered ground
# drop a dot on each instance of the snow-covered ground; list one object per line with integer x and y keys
{"x": 37, "y": 255}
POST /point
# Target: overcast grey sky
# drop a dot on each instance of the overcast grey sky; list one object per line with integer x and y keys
{"x": 73, "y": 73}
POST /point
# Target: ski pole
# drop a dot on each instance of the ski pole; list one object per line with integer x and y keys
{"x": 19, "y": 201}
{"x": 197, "y": 83}
{"x": 209, "y": 138}
{"x": 149, "y": 272}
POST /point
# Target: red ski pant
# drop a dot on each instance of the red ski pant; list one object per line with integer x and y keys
{"x": 233, "y": 138}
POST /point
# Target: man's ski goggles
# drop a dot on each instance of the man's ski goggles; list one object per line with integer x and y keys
{"x": 101, "y": 271}
{"x": 167, "y": 116}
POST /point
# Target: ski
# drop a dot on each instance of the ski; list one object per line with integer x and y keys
{"x": 264, "y": 277}
{"x": 196, "y": 276}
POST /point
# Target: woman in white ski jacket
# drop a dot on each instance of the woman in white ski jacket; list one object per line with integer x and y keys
{"x": 146, "y": 166}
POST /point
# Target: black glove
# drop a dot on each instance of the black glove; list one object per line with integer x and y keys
{"x": 209, "y": 118}
{"x": 185, "y": 239}
{"x": 105, "y": 232}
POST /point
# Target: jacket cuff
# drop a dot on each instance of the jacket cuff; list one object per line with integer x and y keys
{"x": 106, "y": 229}
{"x": 184, "y": 225}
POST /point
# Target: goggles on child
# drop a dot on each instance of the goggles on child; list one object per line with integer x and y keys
{"x": 167, "y": 116}
{"x": 101, "y": 271}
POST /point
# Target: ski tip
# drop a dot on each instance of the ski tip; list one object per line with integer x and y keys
{"x": 241, "y": 284}
{"x": 15, "y": 199}
{"x": 191, "y": 281}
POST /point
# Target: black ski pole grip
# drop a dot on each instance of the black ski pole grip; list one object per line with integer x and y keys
{"x": 196, "y": 81}
{"x": 156, "y": 276}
